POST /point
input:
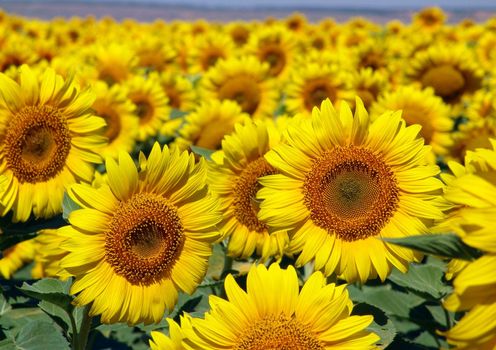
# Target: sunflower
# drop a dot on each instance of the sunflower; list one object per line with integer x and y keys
{"x": 115, "y": 62}
{"x": 313, "y": 83}
{"x": 160, "y": 341}
{"x": 151, "y": 102}
{"x": 71, "y": 64}
{"x": 372, "y": 54}
{"x": 48, "y": 253}
{"x": 424, "y": 108}
{"x": 274, "y": 314}
{"x": 182, "y": 97}
{"x": 450, "y": 70}
{"x": 113, "y": 105}
{"x": 474, "y": 286}
{"x": 429, "y": 18}
{"x": 317, "y": 40}
{"x": 48, "y": 140}
{"x": 16, "y": 51}
{"x": 233, "y": 176}
{"x": 368, "y": 85}
{"x": 142, "y": 238}
{"x": 243, "y": 80}
{"x": 481, "y": 107}
{"x": 46, "y": 49}
{"x": 479, "y": 127}
{"x": 179, "y": 90}
{"x": 153, "y": 53}
{"x": 15, "y": 257}
{"x": 276, "y": 46}
{"x": 206, "y": 126}
{"x": 481, "y": 163}
{"x": 207, "y": 49}
{"x": 344, "y": 183}
{"x": 239, "y": 32}
{"x": 297, "y": 22}
{"x": 486, "y": 50}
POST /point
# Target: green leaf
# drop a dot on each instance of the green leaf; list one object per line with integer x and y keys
{"x": 50, "y": 290}
{"x": 440, "y": 316}
{"x": 4, "y": 305}
{"x": 204, "y": 152}
{"x": 7, "y": 344}
{"x": 281, "y": 107}
{"x": 387, "y": 333}
{"x": 427, "y": 340}
{"x": 9, "y": 240}
{"x": 446, "y": 245}
{"x": 194, "y": 79}
{"x": 13, "y": 321}
{"x": 391, "y": 301}
{"x": 121, "y": 336}
{"x": 197, "y": 302}
{"x": 422, "y": 279}
{"x": 176, "y": 114}
{"x": 216, "y": 262}
{"x": 13, "y": 233}
{"x": 57, "y": 314}
{"x": 68, "y": 206}
{"x": 382, "y": 325}
{"x": 36, "y": 335}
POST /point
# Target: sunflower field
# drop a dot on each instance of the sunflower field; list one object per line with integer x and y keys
{"x": 274, "y": 184}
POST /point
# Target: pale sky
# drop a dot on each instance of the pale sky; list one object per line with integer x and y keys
{"x": 378, "y": 4}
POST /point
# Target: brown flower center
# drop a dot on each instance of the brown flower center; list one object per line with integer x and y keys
{"x": 240, "y": 35}
{"x": 144, "y": 109}
{"x": 318, "y": 43}
{"x": 37, "y": 143}
{"x": 446, "y": 80}
{"x": 112, "y": 118}
{"x": 416, "y": 114}
{"x": 245, "y": 190}
{"x": 275, "y": 57}
{"x": 211, "y": 135}
{"x": 351, "y": 192}
{"x": 144, "y": 239}
{"x": 174, "y": 97}
{"x": 316, "y": 91}
{"x": 278, "y": 333}
{"x": 367, "y": 96}
{"x": 210, "y": 57}
{"x": 373, "y": 60}
{"x": 242, "y": 89}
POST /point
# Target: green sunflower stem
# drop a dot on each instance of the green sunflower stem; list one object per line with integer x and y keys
{"x": 228, "y": 263}
{"x": 75, "y": 338}
{"x": 448, "y": 319}
{"x": 84, "y": 331}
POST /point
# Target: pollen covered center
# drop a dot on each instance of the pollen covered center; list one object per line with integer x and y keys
{"x": 174, "y": 97}
{"x": 351, "y": 192}
{"x": 278, "y": 333}
{"x": 212, "y": 134}
{"x": 275, "y": 57}
{"x": 245, "y": 191}
{"x": 112, "y": 118}
{"x": 144, "y": 109}
{"x": 210, "y": 56}
{"x": 37, "y": 143}
{"x": 416, "y": 114}
{"x": 243, "y": 90}
{"x": 446, "y": 80}
{"x": 144, "y": 238}
{"x": 316, "y": 91}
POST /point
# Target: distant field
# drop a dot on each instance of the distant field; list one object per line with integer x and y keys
{"x": 170, "y": 12}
